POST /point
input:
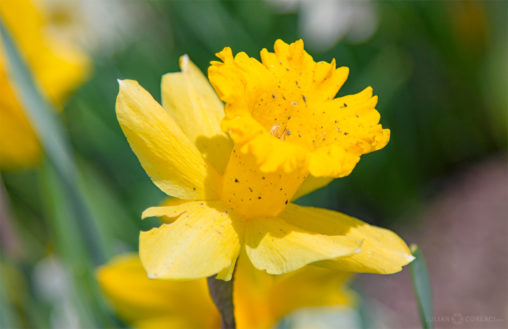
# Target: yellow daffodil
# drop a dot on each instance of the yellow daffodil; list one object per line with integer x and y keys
{"x": 260, "y": 300}
{"x": 225, "y": 202}
{"x": 57, "y": 68}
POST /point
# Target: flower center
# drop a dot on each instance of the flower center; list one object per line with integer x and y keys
{"x": 253, "y": 193}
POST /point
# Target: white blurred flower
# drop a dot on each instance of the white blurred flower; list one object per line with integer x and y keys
{"x": 52, "y": 283}
{"x": 92, "y": 23}
{"x": 324, "y": 22}
{"x": 330, "y": 317}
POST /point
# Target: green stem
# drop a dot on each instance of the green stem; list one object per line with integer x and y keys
{"x": 222, "y": 295}
{"x": 8, "y": 238}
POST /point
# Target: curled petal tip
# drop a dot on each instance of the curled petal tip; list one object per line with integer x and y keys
{"x": 184, "y": 60}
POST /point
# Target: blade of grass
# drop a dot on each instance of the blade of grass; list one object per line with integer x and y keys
{"x": 51, "y": 133}
{"x": 117, "y": 229}
{"x": 422, "y": 288}
{"x": 69, "y": 244}
{"x": 7, "y": 319}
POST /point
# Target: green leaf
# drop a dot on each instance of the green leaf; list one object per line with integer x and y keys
{"x": 51, "y": 133}
{"x": 422, "y": 288}
{"x": 7, "y": 317}
{"x": 68, "y": 240}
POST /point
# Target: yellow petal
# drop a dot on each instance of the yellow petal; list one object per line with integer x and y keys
{"x": 163, "y": 210}
{"x": 382, "y": 250}
{"x": 310, "y": 184}
{"x": 202, "y": 241}
{"x": 171, "y": 322}
{"x": 146, "y": 303}
{"x": 19, "y": 145}
{"x": 262, "y": 300}
{"x": 172, "y": 161}
{"x": 277, "y": 246}
{"x": 191, "y": 101}
{"x": 283, "y": 110}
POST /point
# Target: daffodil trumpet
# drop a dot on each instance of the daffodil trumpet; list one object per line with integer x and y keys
{"x": 234, "y": 170}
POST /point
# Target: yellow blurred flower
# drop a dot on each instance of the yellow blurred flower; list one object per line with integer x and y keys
{"x": 226, "y": 202}
{"x": 57, "y": 68}
{"x": 260, "y": 300}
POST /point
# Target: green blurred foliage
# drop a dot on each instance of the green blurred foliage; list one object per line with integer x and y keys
{"x": 439, "y": 69}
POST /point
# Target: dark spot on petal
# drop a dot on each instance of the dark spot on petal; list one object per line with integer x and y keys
{"x": 236, "y": 180}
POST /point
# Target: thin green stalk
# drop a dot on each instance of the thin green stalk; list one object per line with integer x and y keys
{"x": 222, "y": 295}
{"x": 422, "y": 288}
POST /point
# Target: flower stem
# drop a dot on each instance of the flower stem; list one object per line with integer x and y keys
{"x": 222, "y": 295}
{"x": 9, "y": 242}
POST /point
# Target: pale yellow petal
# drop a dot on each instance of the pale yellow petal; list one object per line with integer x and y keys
{"x": 191, "y": 101}
{"x": 382, "y": 250}
{"x": 167, "y": 155}
{"x": 145, "y": 302}
{"x": 201, "y": 242}
{"x": 277, "y": 246}
{"x": 262, "y": 300}
{"x": 310, "y": 184}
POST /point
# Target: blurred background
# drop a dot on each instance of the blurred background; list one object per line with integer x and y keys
{"x": 440, "y": 70}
